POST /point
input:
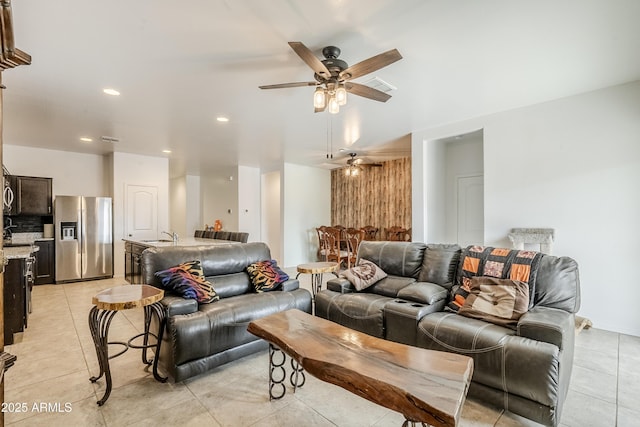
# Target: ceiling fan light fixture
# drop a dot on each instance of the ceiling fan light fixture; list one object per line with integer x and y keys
{"x": 319, "y": 98}
{"x": 352, "y": 171}
{"x": 334, "y": 107}
{"x": 341, "y": 95}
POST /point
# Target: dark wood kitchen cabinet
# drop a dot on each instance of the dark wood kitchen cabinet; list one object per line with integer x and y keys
{"x": 16, "y": 298}
{"x": 45, "y": 262}
{"x": 132, "y": 259}
{"x": 33, "y": 195}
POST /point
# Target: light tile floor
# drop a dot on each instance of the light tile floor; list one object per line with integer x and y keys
{"x": 56, "y": 357}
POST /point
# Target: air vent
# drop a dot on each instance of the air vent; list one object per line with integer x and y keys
{"x": 381, "y": 85}
{"x": 109, "y": 139}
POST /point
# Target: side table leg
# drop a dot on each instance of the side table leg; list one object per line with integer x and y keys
{"x": 158, "y": 309}
{"x": 316, "y": 283}
{"x": 145, "y": 340}
{"x": 99, "y": 322}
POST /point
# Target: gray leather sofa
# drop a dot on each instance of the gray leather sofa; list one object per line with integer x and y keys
{"x": 525, "y": 370}
{"x": 199, "y": 337}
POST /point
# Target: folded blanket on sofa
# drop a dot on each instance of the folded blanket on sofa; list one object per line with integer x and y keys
{"x": 501, "y": 263}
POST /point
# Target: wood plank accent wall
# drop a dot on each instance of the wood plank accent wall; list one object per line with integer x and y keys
{"x": 378, "y": 196}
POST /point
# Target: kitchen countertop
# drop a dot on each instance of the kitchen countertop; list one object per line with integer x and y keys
{"x": 183, "y": 241}
{"x": 16, "y": 252}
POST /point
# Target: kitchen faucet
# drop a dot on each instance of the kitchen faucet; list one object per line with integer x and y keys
{"x": 173, "y": 234}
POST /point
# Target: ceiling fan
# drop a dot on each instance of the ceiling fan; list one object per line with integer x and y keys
{"x": 355, "y": 165}
{"x": 333, "y": 76}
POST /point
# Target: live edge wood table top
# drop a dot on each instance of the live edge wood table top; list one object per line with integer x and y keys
{"x": 424, "y": 385}
{"x": 126, "y": 297}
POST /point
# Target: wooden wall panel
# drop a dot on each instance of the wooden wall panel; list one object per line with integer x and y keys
{"x": 378, "y": 196}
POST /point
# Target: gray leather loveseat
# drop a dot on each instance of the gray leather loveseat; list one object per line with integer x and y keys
{"x": 199, "y": 337}
{"x": 525, "y": 369}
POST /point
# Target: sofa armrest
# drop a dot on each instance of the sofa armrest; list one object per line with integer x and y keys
{"x": 546, "y": 324}
{"x": 290, "y": 285}
{"x": 175, "y": 305}
{"x": 340, "y": 284}
{"x": 423, "y": 292}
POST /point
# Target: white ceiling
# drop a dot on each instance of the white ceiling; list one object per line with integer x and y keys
{"x": 180, "y": 64}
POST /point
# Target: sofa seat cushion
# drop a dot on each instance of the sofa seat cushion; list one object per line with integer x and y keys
{"x": 217, "y": 327}
{"x": 502, "y": 360}
{"x": 361, "y": 311}
{"x": 391, "y": 285}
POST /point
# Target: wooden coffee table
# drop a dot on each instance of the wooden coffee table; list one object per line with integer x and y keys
{"x": 426, "y": 386}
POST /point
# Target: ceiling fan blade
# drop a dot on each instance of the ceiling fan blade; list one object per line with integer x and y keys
{"x": 370, "y": 65}
{"x": 285, "y": 85}
{"x": 367, "y": 92}
{"x": 310, "y": 59}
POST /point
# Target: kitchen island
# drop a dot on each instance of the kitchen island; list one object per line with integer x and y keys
{"x": 133, "y": 252}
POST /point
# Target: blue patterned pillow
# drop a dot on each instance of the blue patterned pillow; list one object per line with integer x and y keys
{"x": 266, "y": 275}
{"x": 187, "y": 280}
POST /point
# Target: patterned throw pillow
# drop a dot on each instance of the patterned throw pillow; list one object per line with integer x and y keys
{"x": 188, "y": 280}
{"x": 364, "y": 274}
{"x": 266, "y": 275}
{"x": 499, "y": 301}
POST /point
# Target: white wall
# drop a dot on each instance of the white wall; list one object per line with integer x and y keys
{"x": 571, "y": 164}
{"x": 249, "y": 183}
{"x": 436, "y": 183}
{"x": 193, "y": 205}
{"x": 307, "y": 205}
{"x": 271, "y": 206}
{"x": 132, "y": 169}
{"x": 219, "y": 194}
{"x": 74, "y": 174}
{"x": 185, "y": 209}
{"x": 178, "y": 205}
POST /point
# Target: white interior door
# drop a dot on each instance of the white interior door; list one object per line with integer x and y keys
{"x": 142, "y": 212}
{"x": 470, "y": 210}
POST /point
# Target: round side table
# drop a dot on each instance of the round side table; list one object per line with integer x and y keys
{"x": 317, "y": 269}
{"x": 105, "y": 305}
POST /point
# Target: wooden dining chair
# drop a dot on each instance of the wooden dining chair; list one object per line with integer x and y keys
{"x": 353, "y": 236}
{"x": 323, "y": 243}
{"x": 396, "y": 234}
{"x": 370, "y": 232}
{"x": 334, "y": 252}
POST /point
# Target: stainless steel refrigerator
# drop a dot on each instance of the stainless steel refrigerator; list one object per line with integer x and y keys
{"x": 84, "y": 238}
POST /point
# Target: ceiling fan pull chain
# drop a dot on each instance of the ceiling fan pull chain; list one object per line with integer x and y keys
{"x": 327, "y": 136}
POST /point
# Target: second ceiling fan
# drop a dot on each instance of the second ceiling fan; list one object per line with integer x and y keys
{"x": 333, "y": 76}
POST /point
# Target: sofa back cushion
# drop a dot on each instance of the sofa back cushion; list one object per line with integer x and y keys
{"x": 228, "y": 285}
{"x": 439, "y": 264}
{"x": 215, "y": 260}
{"x": 558, "y": 284}
{"x": 402, "y": 259}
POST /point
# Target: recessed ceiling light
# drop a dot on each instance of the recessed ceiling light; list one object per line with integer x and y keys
{"x": 86, "y": 139}
{"x": 166, "y": 151}
{"x": 222, "y": 119}
{"x": 110, "y": 91}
